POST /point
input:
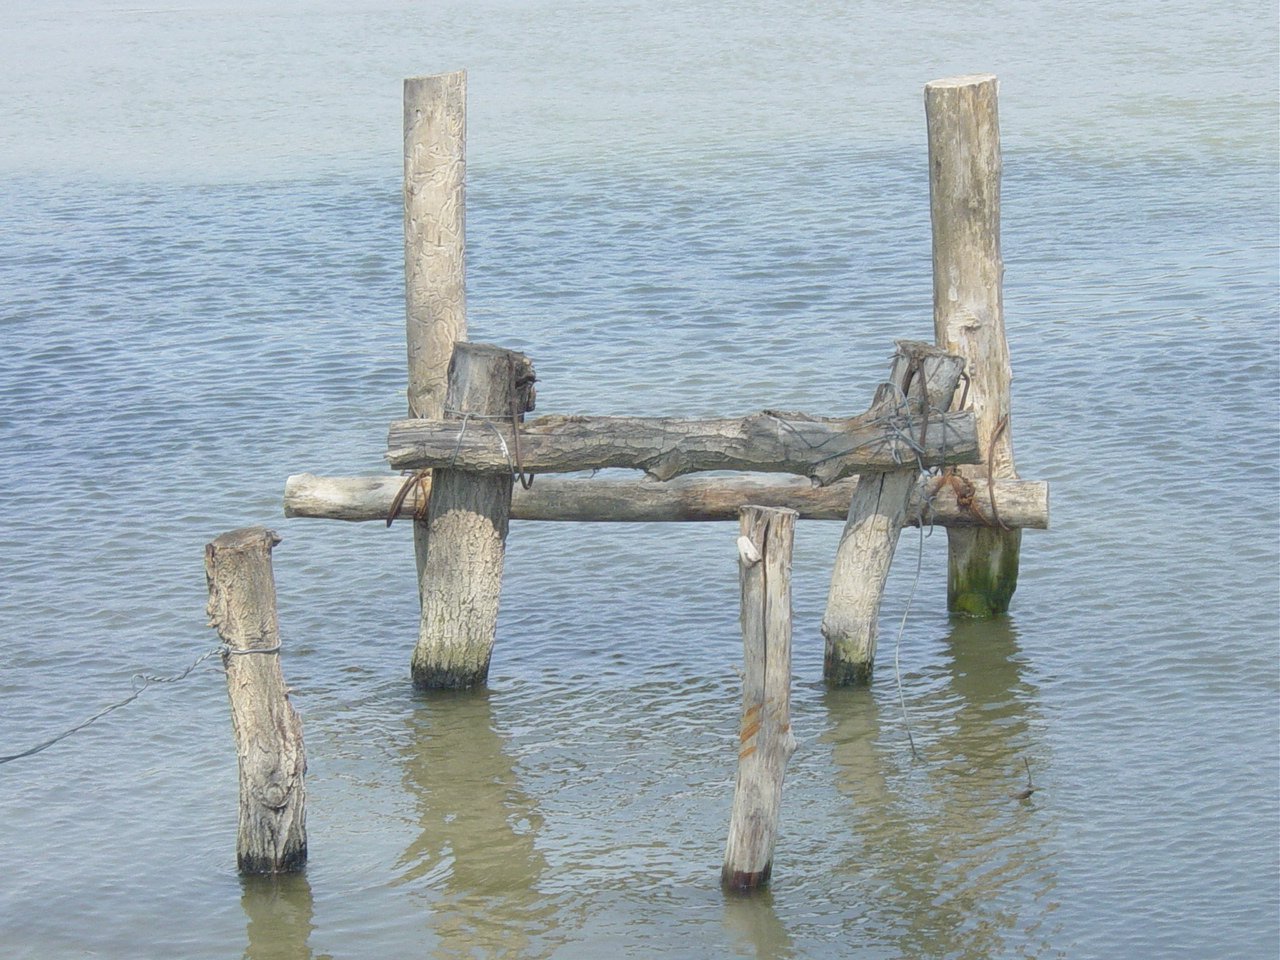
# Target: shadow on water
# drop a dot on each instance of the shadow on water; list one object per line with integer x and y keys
{"x": 475, "y": 859}
{"x": 279, "y": 912}
{"x": 948, "y": 857}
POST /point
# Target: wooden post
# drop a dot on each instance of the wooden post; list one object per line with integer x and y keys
{"x": 968, "y": 316}
{"x": 921, "y": 382}
{"x": 272, "y": 837}
{"x": 764, "y": 734}
{"x": 435, "y": 206}
{"x": 468, "y": 517}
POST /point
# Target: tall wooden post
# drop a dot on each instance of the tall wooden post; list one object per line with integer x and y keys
{"x": 272, "y": 837}
{"x": 968, "y": 316}
{"x": 921, "y": 382}
{"x": 468, "y": 517}
{"x": 435, "y": 207}
{"x": 765, "y": 741}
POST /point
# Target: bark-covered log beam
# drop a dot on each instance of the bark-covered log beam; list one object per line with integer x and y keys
{"x": 824, "y": 449}
{"x": 1022, "y": 503}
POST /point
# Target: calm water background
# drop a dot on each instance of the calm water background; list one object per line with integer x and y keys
{"x": 674, "y": 209}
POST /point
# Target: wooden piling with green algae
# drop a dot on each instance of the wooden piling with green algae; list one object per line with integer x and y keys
{"x": 968, "y": 312}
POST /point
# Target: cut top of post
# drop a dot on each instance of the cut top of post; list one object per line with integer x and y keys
{"x": 967, "y": 80}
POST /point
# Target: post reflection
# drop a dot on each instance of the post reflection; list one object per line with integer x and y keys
{"x": 753, "y": 923}
{"x": 278, "y": 910}
{"x": 945, "y": 830}
{"x": 476, "y": 856}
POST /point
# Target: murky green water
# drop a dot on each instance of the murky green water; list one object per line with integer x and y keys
{"x": 672, "y": 211}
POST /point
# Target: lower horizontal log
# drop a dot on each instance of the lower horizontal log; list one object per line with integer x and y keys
{"x": 1021, "y": 503}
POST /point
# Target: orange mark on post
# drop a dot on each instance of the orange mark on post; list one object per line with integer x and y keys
{"x": 743, "y": 754}
{"x": 750, "y": 723}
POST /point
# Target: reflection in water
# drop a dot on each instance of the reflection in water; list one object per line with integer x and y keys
{"x": 752, "y": 921}
{"x": 476, "y": 853}
{"x": 965, "y": 858}
{"x": 279, "y": 912}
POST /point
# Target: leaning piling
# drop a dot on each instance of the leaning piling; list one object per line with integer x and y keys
{"x": 920, "y": 385}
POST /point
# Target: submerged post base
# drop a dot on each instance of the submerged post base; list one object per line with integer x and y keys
{"x": 982, "y": 571}
{"x": 429, "y": 676}
{"x": 847, "y": 668}
{"x": 744, "y": 881}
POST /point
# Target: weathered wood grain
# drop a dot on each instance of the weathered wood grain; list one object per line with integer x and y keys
{"x": 435, "y": 222}
{"x": 1022, "y": 503}
{"x": 466, "y": 543}
{"x": 765, "y": 740}
{"x": 968, "y": 313}
{"x": 272, "y": 835}
{"x": 922, "y": 378}
{"x": 768, "y": 442}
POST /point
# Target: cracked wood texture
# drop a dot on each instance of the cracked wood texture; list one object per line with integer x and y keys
{"x": 1022, "y": 503}
{"x": 272, "y": 836}
{"x": 823, "y": 449}
{"x": 435, "y": 222}
{"x": 765, "y": 740}
{"x": 466, "y": 542}
{"x": 926, "y": 377}
{"x": 968, "y": 315}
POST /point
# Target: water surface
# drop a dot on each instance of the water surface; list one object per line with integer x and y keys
{"x": 672, "y": 212}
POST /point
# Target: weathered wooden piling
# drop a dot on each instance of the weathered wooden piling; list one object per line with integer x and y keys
{"x": 272, "y": 836}
{"x": 968, "y": 314}
{"x": 921, "y": 383}
{"x": 435, "y": 221}
{"x": 468, "y": 518}
{"x": 765, "y": 740}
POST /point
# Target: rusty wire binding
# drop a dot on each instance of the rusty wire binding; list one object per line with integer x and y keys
{"x": 522, "y": 400}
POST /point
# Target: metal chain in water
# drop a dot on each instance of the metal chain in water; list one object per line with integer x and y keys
{"x": 146, "y": 679}
{"x": 897, "y": 644}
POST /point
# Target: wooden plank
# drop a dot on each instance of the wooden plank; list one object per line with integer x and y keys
{"x": 272, "y": 836}
{"x": 1022, "y": 503}
{"x": 765, "y": 740}
{"x": 462, "y": 576}
{"x": 968, "y": 314}
{"x": 824, "y": 449}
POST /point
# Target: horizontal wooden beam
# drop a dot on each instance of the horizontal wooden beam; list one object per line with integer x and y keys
{"x": 824, "y": 449}
{"x": 1020, "y": 503}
